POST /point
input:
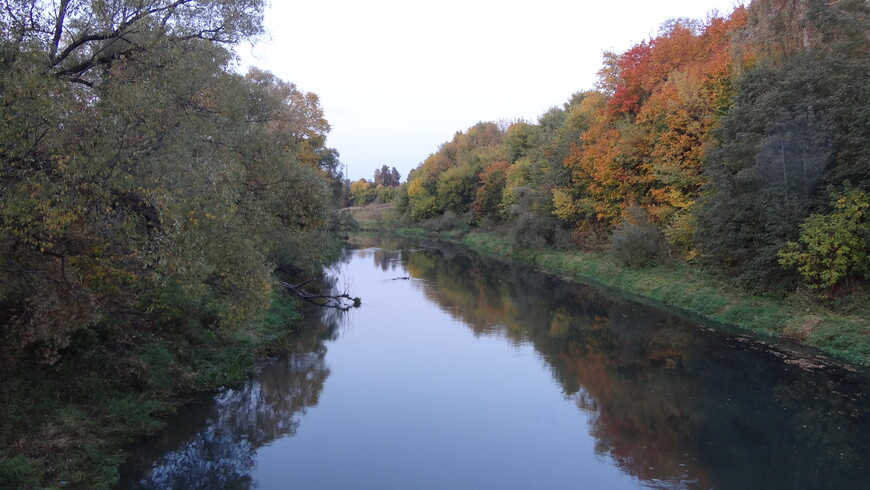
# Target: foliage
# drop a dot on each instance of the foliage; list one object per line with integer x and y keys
{"x": 637, "y": 242}
{"x": 387, "y": 177}
{"x": 148, "y": 191}
{"x": 456, "y": 189}
{"x": 363, "y": 192}
{"x": 793, "y": 127}
{"x": 447, "y": 179}
{"x": 835, "y": 245}
{"x": 646, "y": 130}
{"x": 532, "y": 222}
{"x": 490, "y": 193}
{"x": 423, "y": 207}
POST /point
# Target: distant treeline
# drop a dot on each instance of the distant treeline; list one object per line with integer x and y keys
{"x": 740, "y": 142}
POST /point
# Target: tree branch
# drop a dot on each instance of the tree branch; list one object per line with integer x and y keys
{"x": 58, "y": 27}
{"x": 343, "y": 302}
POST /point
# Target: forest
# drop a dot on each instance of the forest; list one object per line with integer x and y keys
{"x": 150, "y": 196}
{"x": 738, "y": 143}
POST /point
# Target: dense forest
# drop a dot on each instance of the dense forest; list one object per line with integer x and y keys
{"x": 148, "y": 195}
{"x": 739, "y": 143}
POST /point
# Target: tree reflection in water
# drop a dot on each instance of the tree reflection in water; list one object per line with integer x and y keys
{"x": 669, "y": 403}
{"x": 214, "y": 444}
{"x": 673, "y": 404}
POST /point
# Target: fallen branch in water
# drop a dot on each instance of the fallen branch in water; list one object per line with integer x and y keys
{"x": 343, "y": 302}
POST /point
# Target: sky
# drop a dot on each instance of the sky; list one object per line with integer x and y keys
{"x": 398, "y": 78}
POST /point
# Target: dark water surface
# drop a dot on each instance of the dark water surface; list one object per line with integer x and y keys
{"x": 471, "y": 375}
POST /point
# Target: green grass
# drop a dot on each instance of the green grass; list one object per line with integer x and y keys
{"x": 843, "y": 333}
{"x": 66, "y": 425}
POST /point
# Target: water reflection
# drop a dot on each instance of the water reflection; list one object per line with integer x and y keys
{"x": 669, "y": 403}
{"x": 213, "y": 444}
{"x": 673, "y": 404}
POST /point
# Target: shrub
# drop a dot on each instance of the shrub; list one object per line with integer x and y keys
{"x": 423, "y": 208}
{"x": 637, "y": 242}
{"x": 833, "y": 246}
{"x": 447, "y": 221}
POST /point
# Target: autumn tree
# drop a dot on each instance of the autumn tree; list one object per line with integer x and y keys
{"x": 646, "y": 133}
{"x": 362, "y": 192}
{"x": 447, "y": 179}
{"x": 143, "y": 179}
{"x": 490, "y": 192}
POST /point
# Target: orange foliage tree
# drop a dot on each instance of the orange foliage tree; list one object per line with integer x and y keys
{"x": 647, "y": 128}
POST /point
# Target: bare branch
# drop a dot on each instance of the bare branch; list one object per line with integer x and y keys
{"x": 343, "y": 302}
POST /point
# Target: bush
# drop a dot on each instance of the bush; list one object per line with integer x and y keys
{"x": 833, "y": 246}
{"x": 423, "y": 208}
{"x": 447, "y": 221}
{"x": 637, "y": 242}
{"x": 532, "y": 222}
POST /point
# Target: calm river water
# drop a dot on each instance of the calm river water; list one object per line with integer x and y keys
{"x": 473, "y": 375}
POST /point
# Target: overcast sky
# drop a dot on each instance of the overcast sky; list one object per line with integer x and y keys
{"x": 398, "y": 78}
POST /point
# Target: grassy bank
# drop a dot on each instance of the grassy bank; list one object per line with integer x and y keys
{"x": 66, "y": 425}
{"x": 841, "y": 330}
{"x": 844, "y": 335}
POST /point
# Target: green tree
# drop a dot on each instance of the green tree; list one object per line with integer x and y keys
{"x": 456, "y": 189}
{"x": 363, "y": 192}
{"x": 143, "y": 179}
{"x": 793, "y": 127}
{"x": 835, "y": 245}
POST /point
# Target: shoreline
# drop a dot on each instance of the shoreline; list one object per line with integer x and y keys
{"x": 829, "y": 338}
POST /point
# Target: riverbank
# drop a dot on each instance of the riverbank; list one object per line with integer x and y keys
{"x": 841, "y": 331}
{"x": 66, "y": 425}
{"x": 800, "y": 318}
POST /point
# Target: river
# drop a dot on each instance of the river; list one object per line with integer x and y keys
{"x": 461, "y": 373}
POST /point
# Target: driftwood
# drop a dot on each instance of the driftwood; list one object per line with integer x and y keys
{"x": 343, "y": 302}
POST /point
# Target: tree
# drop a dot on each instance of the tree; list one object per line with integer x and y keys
{"x": 490, "y": 192}
{"x": 298, "y": 116}
{"x": 363, "y": 192}
{"x": 794, "y": 127}
{"x": 834, "y": 245}
{"x": 143, "y": 180}
{"x": 447, "y": 179}
{"x": 387, "y": 177}
{"x": 645, "y": 131}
